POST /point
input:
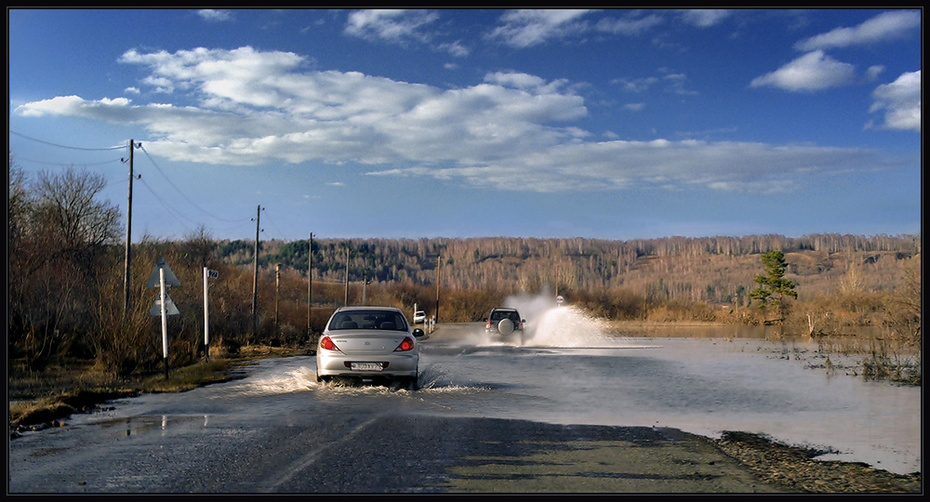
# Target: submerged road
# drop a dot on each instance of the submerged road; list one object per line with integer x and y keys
{"x": 277, "y": 431}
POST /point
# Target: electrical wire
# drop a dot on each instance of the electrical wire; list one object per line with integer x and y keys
{"x": 65, "y": 146}
{"x": 65, "y": 165}
{"x": 179, "y": 190}
{"x": 167, "y": 206}
{"x": 277, "y": 230}
{"x": 170, "y": 209}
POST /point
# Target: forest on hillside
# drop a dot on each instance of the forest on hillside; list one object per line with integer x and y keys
{"x": 718, "y": 270}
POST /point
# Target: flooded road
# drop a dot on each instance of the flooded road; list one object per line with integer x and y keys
{"x": 568, "y": 372}
{"x": 704, "y": 385}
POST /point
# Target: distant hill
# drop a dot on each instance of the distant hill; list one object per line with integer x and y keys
{"x": 709, "y": 269}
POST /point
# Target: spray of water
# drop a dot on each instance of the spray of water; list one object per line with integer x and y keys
{"x": 272, "y": 382}
{"x": 549, "y": 324}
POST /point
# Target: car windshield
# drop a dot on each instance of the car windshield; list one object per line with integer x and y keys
{"x": 369, "y": 319}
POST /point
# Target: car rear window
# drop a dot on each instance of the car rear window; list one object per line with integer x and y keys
{"x": 369, "y": 319}
{"x": 497, "y": 315}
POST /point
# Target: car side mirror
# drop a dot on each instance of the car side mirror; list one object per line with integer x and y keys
{"x": 418, "y": 333}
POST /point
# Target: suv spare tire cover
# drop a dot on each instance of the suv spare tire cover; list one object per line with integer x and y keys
{"x": 505, "y": 327}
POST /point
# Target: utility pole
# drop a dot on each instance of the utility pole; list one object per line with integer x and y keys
{"x": 346, "y": 301}
{"x": 309, "y": 284}
{"x": 258, "y": 214}
{"x": 277, "y": 283}
{"x": 365, "y": 290}
{"x": 128, "y": 261}
{"x": 438, "y": 285}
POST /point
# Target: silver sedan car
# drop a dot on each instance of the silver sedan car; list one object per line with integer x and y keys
{"x": 369, "y": 343}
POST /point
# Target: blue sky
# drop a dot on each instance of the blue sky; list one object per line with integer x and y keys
{"x": 608, "y": 124}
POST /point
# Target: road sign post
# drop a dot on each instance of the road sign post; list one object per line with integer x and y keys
{"x": 164, "y": 319}
{"x": 206, "y": 316}
{"x": 163, "y": 277}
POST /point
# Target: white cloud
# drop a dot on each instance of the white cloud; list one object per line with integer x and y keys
{"x": 258, "y": 107}
{"x": 455, "y": 48}
{"x": 394, "y": 25}
{"x": 525, "y": 28}
{"x": 674, "y": 83}
{"x": 873, "y": 72}
{"x": 74, "y": 106}
{"x": 810, "y": 72}
{"x": 680, "y": 165}
{"x": 900, "y": 100}
{"x": 705, "y": 18}
{"x": 215, "y": 15}
{"x": 630, "y": 25}
{"x": 636, "y": 84}
{"x": 885, "y": 26}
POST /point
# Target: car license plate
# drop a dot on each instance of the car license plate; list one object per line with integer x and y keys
{"x": 366, "y": 367}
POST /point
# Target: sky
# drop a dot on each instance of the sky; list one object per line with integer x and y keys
{"x": 545, "y": 123}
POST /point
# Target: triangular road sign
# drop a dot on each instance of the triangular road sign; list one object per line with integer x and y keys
{"x": 170, "y": 278}
{"x": 170, "y": 307}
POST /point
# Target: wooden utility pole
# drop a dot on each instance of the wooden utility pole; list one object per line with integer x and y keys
{"x": 128, "y": 261}
{"x": 258, "y": 214}
{"x": 277, "y": 284}
{"x": 309, "y": 284}
{"x": 438, "y": 285}
{"x": 346, "y": 302}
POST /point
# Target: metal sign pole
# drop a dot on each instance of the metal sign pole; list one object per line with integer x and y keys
{"x": 206, "y": 316}
{"x": 164, "y": 319}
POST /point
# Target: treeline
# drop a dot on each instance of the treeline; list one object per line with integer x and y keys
{"x": 66, "y": 289}
{"x": 715, "y": 270}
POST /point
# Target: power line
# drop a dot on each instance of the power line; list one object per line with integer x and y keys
{"x": 179, "y": 190}
{"x": 167, "y": 206}
{"x": 278, "y": 230}
{"x": 66, "y": 146}
{"x": 66, "y": 164}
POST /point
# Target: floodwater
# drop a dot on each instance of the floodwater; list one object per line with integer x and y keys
{"x": 571, "y": 371}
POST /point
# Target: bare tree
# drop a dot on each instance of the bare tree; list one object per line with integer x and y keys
{"x": 61, "y": 234}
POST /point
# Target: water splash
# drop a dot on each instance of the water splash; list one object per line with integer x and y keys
{"x": 273, "y": 383}
{"x": 568, "y": 326}
{"x": 551, "y": 325}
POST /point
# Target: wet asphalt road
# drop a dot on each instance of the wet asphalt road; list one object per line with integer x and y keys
{"x": 237, "y": 438}
{"x": 387, "y": 454}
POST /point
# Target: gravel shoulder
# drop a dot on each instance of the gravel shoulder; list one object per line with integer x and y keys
{"x": 795, "y": 470}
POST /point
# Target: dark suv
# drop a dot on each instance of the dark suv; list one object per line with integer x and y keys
{"x": 504, "y": 323}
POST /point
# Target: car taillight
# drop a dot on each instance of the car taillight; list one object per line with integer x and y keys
{"x": 488, "y": 324}
{"x": 327, "y": 344}
{"x": 405, "y": 345}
